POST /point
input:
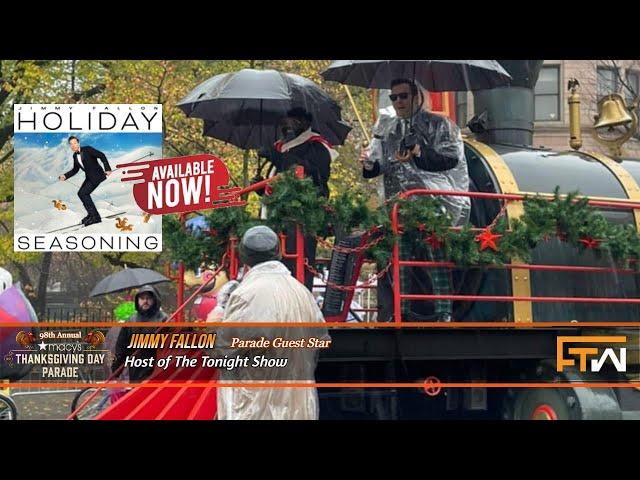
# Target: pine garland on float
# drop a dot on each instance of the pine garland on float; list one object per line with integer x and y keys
{"x": 567, "y": 218}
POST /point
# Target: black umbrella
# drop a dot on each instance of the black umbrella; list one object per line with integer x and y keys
{"x": 253, "y": 136}
{"x": 243, "y": 108}
{"x": 433, "y": 75}
{"x": 127, "y": 279}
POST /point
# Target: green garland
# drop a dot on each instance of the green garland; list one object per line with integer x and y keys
{"x": 224, "y": 223}
{"x": 576, "y": 223}
{"x": 294, "y": 200}
{"x": 182, "y": 245}
{"x": 423, "y": 221}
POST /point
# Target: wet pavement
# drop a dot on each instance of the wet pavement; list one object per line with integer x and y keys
{"x": 43, "y": 406}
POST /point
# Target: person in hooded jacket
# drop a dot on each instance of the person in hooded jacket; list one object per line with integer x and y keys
{"x": 148, "y": 309}
{"x": 268, "y": 293}
{"x": 418, "y": 149}
{"x": 300, "y": 146}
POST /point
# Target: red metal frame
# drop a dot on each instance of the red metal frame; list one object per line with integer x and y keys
{"x": 298, "y": 256}
{"x": 157, "y": 403}
{"x": 527, "y": 266}
{"x": 171, "y": 317}
{"x": 233, "y": 258}
{"x": 397, "y": 263}
{"x": 299, "y": 241}
{"x": 179, "y": 277}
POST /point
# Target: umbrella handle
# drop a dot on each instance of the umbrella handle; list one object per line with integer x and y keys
{"x": 355, "y": 109}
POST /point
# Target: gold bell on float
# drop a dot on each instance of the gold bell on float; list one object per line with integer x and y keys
{"x": 612, "y": 112}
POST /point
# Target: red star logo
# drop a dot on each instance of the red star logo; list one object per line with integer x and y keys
{"x": 487, "y": 239}
{"x": 590, "y": 242}
{"x": 434, "y": 241}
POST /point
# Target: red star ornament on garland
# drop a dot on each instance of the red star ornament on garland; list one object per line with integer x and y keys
{"x": 589, "y": 242}
{"x": 434, "y": 241}
{"x": 488, "y": 239}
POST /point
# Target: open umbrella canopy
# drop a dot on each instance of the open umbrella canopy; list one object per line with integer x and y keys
{"x": 257, "y": 136}
{"x": 433, "y": 75}
{"x": 127, "y": 279}
{"x": 244, "y": 107}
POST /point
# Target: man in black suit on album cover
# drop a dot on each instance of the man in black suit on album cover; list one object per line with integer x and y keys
{"x": 86, "y": 159}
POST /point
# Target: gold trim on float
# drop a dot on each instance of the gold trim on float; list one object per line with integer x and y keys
{"x": 632, "y": 190}
{"x": 520, "y": 277}
{"x": 628, "y": 183}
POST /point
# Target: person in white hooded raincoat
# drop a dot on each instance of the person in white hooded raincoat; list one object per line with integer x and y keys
{"x": 268, "y": 293}
{"x": 434, "y": 160}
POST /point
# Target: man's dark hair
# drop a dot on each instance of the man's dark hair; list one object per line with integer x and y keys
{"x": 300, "y": 114}
{"x": 73, "y": 138}
{"x": 401, "y": 81}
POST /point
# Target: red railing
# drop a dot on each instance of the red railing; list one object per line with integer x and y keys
{"x": 397, "y": 263}
{"x": 175, "y": 314}
{"x": 298, "y": 256}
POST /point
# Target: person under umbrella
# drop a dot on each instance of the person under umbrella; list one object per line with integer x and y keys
{"x": 300, "y": 145}
{"x": 148, "y": 309}
{"x": 417, "y": 149}
{"x": 126, "y": 279}
{"x": 243, "y": 108}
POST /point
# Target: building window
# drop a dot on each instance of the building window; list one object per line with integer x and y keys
{"x": 633, "y": 80}
{"x": 607, "y": 81}
{"x": 461, "y": 109}
{"x": 547, "y": 95}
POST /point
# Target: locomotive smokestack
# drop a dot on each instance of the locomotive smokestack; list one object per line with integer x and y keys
{"x": 505, "y": 115}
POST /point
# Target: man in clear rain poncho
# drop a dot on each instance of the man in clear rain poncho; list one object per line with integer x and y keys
{"x": 417, "y": 149}
{"x": 268, "y": 293}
